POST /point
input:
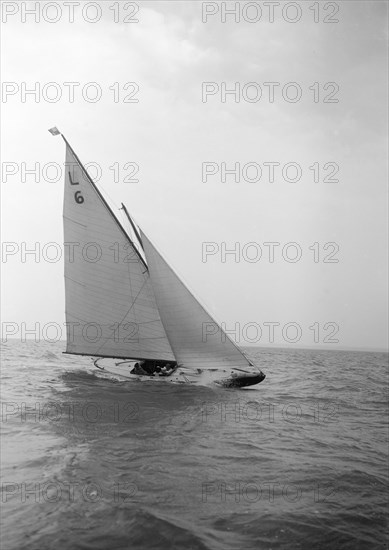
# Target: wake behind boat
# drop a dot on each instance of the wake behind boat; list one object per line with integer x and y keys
{"x": 124, "y": 301}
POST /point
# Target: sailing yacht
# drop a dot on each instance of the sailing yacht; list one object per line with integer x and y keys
{"x": 124, "y": 301}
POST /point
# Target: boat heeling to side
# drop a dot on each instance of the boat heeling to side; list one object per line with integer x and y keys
{"x": 146, "y": 294}
{"x": 182, "y": 375}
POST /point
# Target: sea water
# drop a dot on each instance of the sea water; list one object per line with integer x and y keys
{"x": 299, "y": 461}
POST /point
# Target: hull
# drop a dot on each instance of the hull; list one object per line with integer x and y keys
{"x": 231, "y": 378}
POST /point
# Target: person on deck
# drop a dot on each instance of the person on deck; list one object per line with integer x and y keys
{"x": 167, "y": 369}
{"x": 149, "y": 367}
{"x": 138, "y": 370}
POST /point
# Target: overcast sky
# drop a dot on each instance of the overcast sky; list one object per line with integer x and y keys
{"x": 172, "y": 130}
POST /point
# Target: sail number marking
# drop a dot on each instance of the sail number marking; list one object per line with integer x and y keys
{"x": 77, "y": 195}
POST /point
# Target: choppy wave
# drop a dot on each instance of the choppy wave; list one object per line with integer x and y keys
{"x": 93, "y": 462}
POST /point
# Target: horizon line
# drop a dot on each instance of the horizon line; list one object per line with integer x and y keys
{"x": 270, "y": 346}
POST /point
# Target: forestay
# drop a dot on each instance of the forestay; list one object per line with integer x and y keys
{"x": 196, "y": 339}
{"x": 111, "y": 309}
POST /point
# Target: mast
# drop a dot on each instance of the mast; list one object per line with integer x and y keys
{"x": 133, "y": 226}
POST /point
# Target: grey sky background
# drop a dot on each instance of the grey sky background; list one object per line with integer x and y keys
{"x": 170, "y": 132}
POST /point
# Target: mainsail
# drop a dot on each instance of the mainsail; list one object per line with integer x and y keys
{"x": 196, "y": 339}
{"x": 111, "y": 309}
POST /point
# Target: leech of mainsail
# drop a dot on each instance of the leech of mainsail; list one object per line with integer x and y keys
{"x": 196, "y": 338}
{"x": 111, "y": 310}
